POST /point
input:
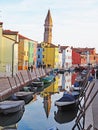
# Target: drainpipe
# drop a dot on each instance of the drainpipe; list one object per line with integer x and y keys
{"x": 13, "y": 57}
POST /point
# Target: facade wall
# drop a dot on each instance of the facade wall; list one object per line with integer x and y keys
{"x": 56, "y": 58}
{"x": 67, "y": 58}
{"x": 76, "y": 58}
{"x": 60, "y": 60}
{"x": 35, "y": 54}
{"x": 48, "y": 56}
{"x": 39, "y": 56}
{"x": 8, "y": 52}
{"x": 23, "y": 54}
{"x": 25, "y": 63}
{"x": 27, "y": 53}
{"x": 30, "y": 53}
{"x": 20, "y": 55}
{"x": 93, "y": 57}
{"x": 6, "y": 56}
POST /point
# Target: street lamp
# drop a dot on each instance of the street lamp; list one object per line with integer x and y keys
{"x": 13, "y": 57}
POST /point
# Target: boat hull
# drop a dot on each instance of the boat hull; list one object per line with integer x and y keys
{"x": 22, "y": 95}
{"x": 37, "y": 84}
{"x": 7, "y": 107}
{"x": 68, "y": 107}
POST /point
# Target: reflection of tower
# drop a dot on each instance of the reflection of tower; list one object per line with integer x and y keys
{"x": 46, "y": 94}
{"x": 48, "y": 28}
{"x": 47, "y": 104}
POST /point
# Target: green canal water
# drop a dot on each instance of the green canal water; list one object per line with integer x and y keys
{"x": 41, "y": 113}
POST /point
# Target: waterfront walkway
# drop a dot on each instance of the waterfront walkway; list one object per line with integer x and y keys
{"x": 10, "y": 85}
{"x": 91, "y": 115}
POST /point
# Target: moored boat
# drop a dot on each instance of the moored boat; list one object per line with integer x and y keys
{"x": 67, "y": 101}
{"x": 76, "y": 94}
{"x": 37, "y": 83}
{"x": 48, "y": 79}
{"x": 11, "y": 118}
{"x": 22, "y": 95}
{"x": 7, "y": 106}
{"x": 62, "y": 117}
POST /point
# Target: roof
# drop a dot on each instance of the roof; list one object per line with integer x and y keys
{"x": 61, "y": 48}
{"x": 64, "y": 47}
{"x": 83, "y": 50}
{"x": 52, "y": 45}
{"x": 9, "y": 32}
{"x": 23, "y": 37}
{"x": 48, "y": 20}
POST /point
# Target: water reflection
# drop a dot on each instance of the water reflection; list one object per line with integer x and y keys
{"x": 47, "y": 93}
{"x": 66, "y": 80}
{"x": 47, "y": 104}
{"x": 65, "y": 116}
{"x": 41, "y": 110}
{"x": 9, "y": 121}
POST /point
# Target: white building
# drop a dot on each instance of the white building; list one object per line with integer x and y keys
{"x": 66, "y": 56}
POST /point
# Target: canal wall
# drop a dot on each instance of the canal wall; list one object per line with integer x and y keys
{"x": 10, "y": 85}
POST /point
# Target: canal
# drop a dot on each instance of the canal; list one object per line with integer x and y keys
{"x": 41, "y": 113}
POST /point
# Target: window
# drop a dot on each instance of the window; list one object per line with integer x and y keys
{"x": 38, "y": 56}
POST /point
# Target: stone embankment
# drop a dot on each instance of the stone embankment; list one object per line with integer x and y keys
{"x": 10, "y": 85}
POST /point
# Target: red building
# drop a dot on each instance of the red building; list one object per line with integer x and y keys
{"x": 76, "y": 58}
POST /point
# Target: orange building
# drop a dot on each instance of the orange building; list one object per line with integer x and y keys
{"x": 87, "y": 55}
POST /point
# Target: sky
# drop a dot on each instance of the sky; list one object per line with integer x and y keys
{"x": 75, "y": 22}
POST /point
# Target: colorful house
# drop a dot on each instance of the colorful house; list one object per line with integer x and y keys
{"x": 8, "y": 51}
{"x": 88, "y": 55}
{"x": 66, "y": 56}
{"x": 27, "y": 53}
{"x": 51, "y": 56}
{"x": 39, "y": 55}
{"x": 76, "y": 58}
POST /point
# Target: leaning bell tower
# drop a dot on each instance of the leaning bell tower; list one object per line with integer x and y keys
{"x": 48, "y": 28}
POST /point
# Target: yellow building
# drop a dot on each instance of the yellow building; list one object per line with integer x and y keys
{"x": 8, "y": 51}
{"x": 23, "y": 53}
{"x": 50, "y": 56}
{"x": 27, "y": 50}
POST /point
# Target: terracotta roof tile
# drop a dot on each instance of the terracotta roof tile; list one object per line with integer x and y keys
{"x": 9, "y": 32}
{"x": 23, "y": 37}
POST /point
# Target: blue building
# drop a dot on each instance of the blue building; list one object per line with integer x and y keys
{"x": 39, "y": 55}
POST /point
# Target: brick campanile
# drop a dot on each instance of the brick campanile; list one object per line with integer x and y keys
{"x": 48, "y": 28}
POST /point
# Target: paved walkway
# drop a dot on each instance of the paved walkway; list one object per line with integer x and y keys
{"x": 92, "y": 111}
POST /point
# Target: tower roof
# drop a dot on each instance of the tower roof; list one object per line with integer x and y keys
{"x": 48, "y": 20}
